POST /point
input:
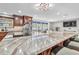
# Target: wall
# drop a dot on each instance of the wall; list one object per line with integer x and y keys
{"x": 59, "y": 24}
{"x": 53, "y": 25}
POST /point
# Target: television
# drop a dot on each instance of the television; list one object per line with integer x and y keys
{"x": 70, "y": 24}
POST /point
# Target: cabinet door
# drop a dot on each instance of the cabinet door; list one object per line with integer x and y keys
{"x": 30, "y": 19}
{"x": 18, "y": 21}
{"x": 27, "y": 19}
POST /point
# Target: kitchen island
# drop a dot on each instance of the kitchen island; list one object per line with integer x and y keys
{"x": 35, "y": 45}
{"x": 43, "y": 43}
{"x": 7, "y": 48}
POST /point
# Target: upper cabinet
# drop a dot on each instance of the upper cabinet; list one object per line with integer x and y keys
{"x": 28, "y": 25}
{"x": 21, "y": 20}
{"x": 6, "y": 21}
{"x": 27, "y": 19}
{"x": 18, "y": 20}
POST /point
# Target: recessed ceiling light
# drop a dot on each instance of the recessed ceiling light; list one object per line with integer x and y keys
{"x": 51, "y": 5}
{"x": 36, "y": 5}
{"x": 19, "y": 11}
{"x": 64, "y": 16}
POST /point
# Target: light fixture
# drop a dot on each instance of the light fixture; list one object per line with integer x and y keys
{"x": 19, "y": 11}
{"x": 43, "y": 6}
{"x": 51, "y": 5}
{"x": 65, "y": 16}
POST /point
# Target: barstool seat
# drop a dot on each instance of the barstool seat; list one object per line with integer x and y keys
{"x": 67, "y": 51}
{"x": 76, "y": 39}
{"x": 73, "y": 45}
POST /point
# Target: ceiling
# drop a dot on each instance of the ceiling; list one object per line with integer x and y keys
{"x": 57, "y": 12}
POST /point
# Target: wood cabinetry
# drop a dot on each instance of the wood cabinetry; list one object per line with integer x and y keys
{"x": 28, "y": 25}
{"x": 18, "y": 20}
{"x": 2, "y": 35}
{"x": 27, "y": 19}
{"x": 21, "y": 20}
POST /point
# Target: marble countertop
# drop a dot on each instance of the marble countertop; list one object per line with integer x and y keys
{"x": 35, "y": 44}
{"x": 8, "y": 47}
{"x": 40, "y": 44}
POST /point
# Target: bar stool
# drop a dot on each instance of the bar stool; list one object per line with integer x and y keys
{"x": 74, "y": 45}
{"x": 76, "y": 39}
{"x": 67, "y": 51}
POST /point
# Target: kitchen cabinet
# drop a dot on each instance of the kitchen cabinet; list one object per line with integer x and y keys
{"x": 18, "y": 20}
{"x": 21, "y": 20}
{"x": 2, "y": 35}
{"x": 27, "y": 19}
{"x": 6, "y": 22}
{"x": 25, "y": 22}
{"x": 27, "y": 25}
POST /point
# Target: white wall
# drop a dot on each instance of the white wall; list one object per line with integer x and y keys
{"x": 59, "y": 24}
{"x": 53, "y": 25}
